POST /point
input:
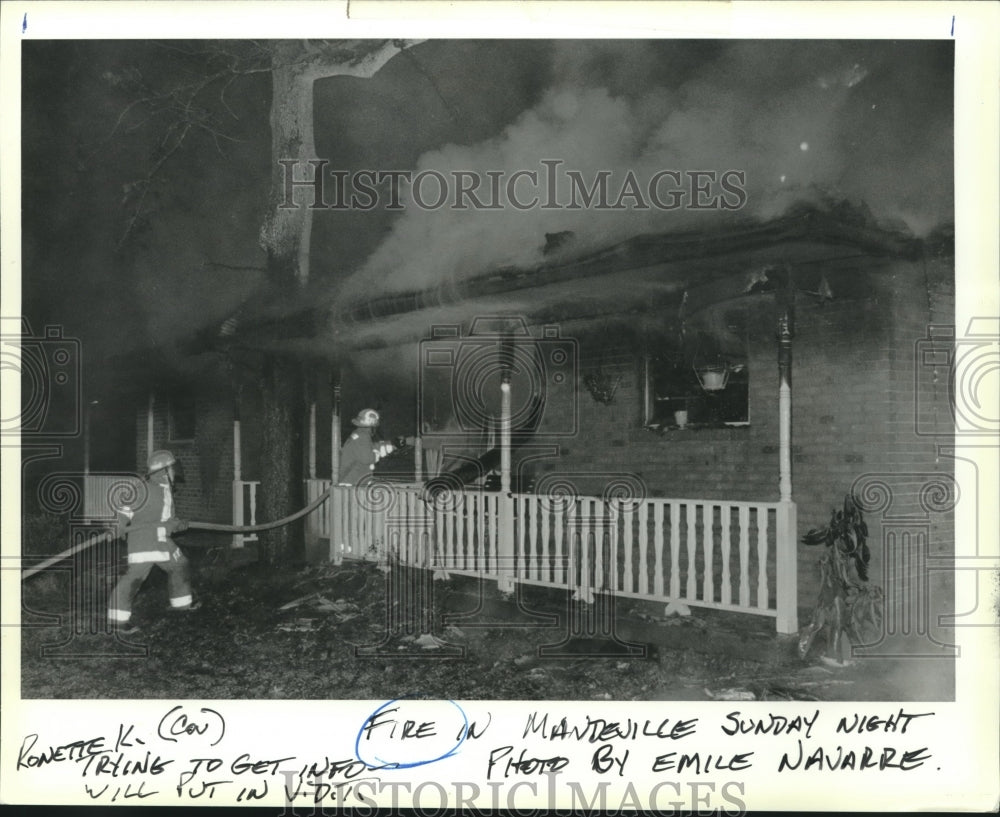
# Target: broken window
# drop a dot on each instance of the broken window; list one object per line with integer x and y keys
{"x": 700, "y": 382}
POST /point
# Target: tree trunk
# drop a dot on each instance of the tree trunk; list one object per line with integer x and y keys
{"x": 285, "y": 235}
{"x": 297, "y": 65}
{"x": 281, "y": 464}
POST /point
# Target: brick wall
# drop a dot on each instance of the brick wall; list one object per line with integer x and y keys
{"x": 854, "y": 402}
{"x": 207, "y": 459}
{"x": 915, "y": 511}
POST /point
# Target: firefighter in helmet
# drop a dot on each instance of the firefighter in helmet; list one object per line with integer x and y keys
{"x": 148, "y": 528}
{"x": 360, "y": 453}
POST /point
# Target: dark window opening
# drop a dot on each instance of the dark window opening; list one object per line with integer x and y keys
{"x": 700, "y": 386}
{"x": 182, "y": 417}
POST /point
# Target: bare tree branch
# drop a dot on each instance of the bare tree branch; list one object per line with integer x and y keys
{"x": 146, "y": 183}
{"x": 219, "y": 65}
{"x": 186, "y": 106}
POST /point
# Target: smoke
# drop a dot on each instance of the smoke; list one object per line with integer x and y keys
{"x": 822, "y": 122}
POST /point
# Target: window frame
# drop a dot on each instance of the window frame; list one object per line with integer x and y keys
{"x": 652, "y": 417}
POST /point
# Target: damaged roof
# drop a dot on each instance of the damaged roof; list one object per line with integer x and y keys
{"x": 639, "y": 275}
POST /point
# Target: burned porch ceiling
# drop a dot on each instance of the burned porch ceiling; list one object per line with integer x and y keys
{"x": 647, "y": 276}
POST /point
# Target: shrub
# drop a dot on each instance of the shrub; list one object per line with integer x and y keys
{"x": 848, "y": 603}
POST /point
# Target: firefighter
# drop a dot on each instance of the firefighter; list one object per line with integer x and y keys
{"x": 357, "y": 460}
{"x": 360, "y": 453}
{"x": 148, "y": 529}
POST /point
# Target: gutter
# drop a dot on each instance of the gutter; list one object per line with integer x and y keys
{"x": 632, "y": 254}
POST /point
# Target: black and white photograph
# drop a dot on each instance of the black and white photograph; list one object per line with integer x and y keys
{"x": 557, "y": 370}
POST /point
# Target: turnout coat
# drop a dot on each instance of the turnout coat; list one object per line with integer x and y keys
{"x": 149, "y": 526}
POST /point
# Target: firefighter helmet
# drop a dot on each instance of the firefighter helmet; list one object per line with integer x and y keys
{"x": 367, "y": 418}
{"x": 159, "y": 460}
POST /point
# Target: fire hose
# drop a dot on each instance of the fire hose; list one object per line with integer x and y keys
{"x": 209, "y": 526}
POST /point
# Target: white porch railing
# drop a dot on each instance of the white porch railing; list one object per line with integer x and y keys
{"x": 703, "y": 553}
{"x": 244, "y": 510}
{"x": 725, "y": 555}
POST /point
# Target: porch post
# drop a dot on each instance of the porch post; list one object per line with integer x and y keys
{"x": 149, "y": 424}
{"x": 89, "y": 498}
{"x": 505, "y": 433}
{"x": 237, "y": 458}
{"x": 335, "y": 433}
{"x": 312, "y": 439}
{"x": 334, "y": 520}
{"x": 237, "y": 473}
{"x": 86, "y": 439}
{"x": 786, "y": 531}
{"x": 418, "y": 459}
{"x": 784, "y": 409}
{"x": 505, "y": 568}
{"x": 312, "y": 525}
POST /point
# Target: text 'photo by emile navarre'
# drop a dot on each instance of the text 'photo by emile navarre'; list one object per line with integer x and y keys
{"x": 487, "y": 369}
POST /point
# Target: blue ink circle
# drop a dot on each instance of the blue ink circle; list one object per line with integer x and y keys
{"x": 395, "y": 765}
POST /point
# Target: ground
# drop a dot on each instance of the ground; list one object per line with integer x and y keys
{"x": 327, "y": 632}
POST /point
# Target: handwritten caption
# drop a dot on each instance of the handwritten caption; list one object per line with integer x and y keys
{"x": 184, "y": 755}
